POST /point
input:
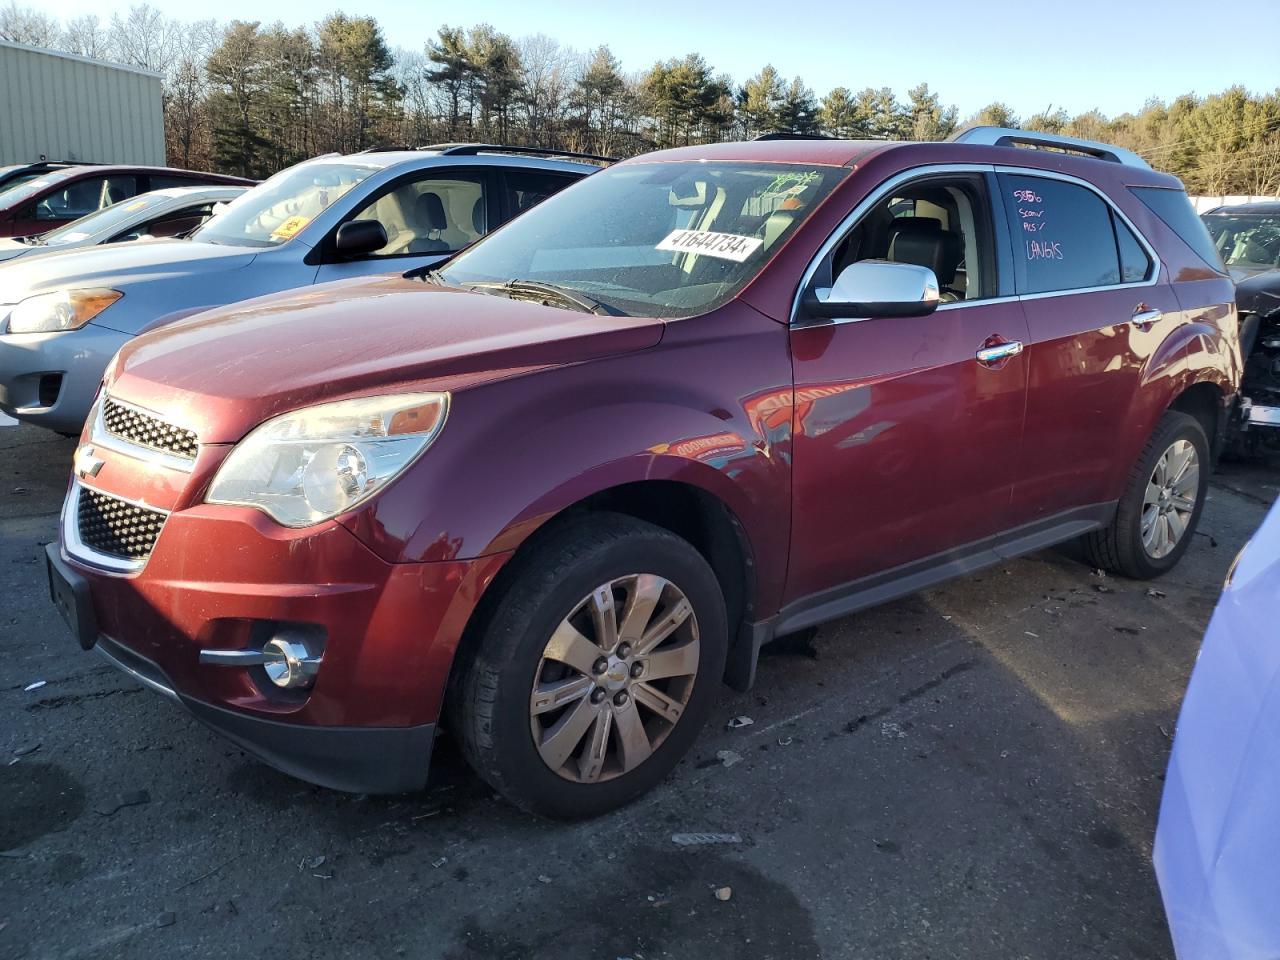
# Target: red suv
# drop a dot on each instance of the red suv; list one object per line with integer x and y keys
{"x": 61, "y": 194}
{"x": 551, "y": 494}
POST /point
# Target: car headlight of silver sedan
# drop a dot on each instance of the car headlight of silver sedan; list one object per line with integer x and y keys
{"x": 61, "y": 310}
{"x": 316, "y": 463}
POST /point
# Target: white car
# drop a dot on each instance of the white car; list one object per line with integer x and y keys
{"x": 1217, "y": 850}
{"x": 155, "y": 215}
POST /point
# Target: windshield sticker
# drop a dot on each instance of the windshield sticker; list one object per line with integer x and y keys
{"x": 136, "y": 205}
{"x": 790, "y": 184}
{"x": 725, "y": 246}
{"x": 290, "y": 228}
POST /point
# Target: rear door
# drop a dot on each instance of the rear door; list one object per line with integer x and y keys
{"x": 428, "y": 216}
{"x": 905, "y": 442}
{"x": 1097, "y": 309}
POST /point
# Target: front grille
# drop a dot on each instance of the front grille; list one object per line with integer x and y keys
{"x": 116, "y": 528}
{"x": 148, "y": 431}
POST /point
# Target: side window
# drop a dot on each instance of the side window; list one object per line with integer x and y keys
{"x": 439, "y": 215}
{"x": 1062, "y": 235}
{"x": 176, "y": 222}
{"x": 82, "y": 197}
{"x": 163, "y": 182}
{"x": 1135, "y": 264}
{"x": 528, "y": 188}
{"x": 939, "y": 223}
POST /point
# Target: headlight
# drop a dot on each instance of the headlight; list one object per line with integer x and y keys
{"x": 63, "y": 310}
{"x": 313, "y": 464}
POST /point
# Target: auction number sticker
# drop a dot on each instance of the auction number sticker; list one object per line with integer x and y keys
{"x": 726, "y": 246}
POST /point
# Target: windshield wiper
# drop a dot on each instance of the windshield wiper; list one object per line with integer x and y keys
{"x": 551, "y": 291}
{"x": 33, "y": 241}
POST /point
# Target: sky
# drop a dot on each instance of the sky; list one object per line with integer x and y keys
{"x": 1077, "y": 55}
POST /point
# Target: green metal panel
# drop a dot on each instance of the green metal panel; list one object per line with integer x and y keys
{"x": 64, "y": 107}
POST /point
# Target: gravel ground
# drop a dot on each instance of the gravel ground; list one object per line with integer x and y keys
{"x": 971, "y": 772}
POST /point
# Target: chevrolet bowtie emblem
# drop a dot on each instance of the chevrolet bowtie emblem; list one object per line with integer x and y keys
{"x": 86, "y": 464}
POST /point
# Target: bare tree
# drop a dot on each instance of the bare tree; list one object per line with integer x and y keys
{"x": 27, "y": 25}
{"x": 545, "y": 79}
{"x": 146, "y": 38}
{"x": 87, "y": 37}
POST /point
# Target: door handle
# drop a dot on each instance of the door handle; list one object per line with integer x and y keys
{"x": 1144, "y": 317}
{"x": 992, "y": 356}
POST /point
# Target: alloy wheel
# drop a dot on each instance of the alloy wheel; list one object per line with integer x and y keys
{"x": 614, "y": 678}
{"x": 1170, "y": 499}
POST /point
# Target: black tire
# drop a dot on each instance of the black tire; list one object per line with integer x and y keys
{"x": 489, "y": 702}
{"x": 1118, "y": 547}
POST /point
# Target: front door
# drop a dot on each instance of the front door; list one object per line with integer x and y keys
{"x": 905, "y": 441}
{"x": 427, "y": 217}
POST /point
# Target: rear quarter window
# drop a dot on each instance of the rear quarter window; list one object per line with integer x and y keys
{"x": 1174, "y": 208}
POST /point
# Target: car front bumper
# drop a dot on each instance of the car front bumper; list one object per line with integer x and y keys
{"x": 50, "y": 379}
{"x": 223, "y": 579}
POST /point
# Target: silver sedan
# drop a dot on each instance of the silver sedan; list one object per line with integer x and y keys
{"x": 155, "y": 215}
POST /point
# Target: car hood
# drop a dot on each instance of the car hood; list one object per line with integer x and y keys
{"x": 229, "y": 369}
{"x": 117, "y": 265}
{"x": 1259, "y": 294}
{"x": 10, "y": 248}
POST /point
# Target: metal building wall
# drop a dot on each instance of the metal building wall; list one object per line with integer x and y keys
{"x": 65, "y": 107}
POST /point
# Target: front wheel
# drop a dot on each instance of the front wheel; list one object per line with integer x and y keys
{"x": 1161, "y": 505}
{"x": 596, "y": 669}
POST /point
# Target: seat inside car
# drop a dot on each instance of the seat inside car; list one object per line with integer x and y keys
{"x": 923, "y": 242}
{"x": 429, "y": 223}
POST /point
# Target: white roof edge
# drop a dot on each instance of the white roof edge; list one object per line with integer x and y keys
{"x": 75, "y": 56}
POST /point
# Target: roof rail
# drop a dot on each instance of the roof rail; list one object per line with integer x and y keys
{"x": 471, "y": 149}
{"x": 785, "y": 135}
{"x": 1009, "y": 137}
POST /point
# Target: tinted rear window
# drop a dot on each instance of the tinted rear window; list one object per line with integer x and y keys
{"x": 1062, "y": 235}
{"x": 1174, "y": 208}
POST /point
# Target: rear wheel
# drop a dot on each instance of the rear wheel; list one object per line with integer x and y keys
{"x": 596, "y": 669}
{"x": 1157, "y": 515}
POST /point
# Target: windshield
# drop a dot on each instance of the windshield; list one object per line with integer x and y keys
{"x": 25, "y": 187}
{"x": 1249, "y": 241}
{"x": 278, "y": 209}
{"x": 117, "y": 215}
{"x": 656, "y": 239}
{"x": 9, "y": 179}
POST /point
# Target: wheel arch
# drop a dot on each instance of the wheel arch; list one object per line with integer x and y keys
{"x": 690, "y": 511}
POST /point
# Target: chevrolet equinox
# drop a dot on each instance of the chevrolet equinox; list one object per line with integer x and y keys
{"x": 549, "y": 495}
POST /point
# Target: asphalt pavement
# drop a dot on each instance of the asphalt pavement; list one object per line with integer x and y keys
{"x": 971, "y": 772}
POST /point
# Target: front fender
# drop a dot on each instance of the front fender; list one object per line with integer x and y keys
{"x": 516, "y": 452}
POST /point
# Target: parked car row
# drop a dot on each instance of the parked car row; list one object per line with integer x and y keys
{"x": 548, "y": 485}
{"x": 325, "y": 219}
{"x": 1247, "y": 236}
{"x": 57, "y": 195}
{"x": 159, "y": 214}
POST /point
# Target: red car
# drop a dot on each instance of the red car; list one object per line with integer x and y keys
{"x": 550, "y": 495}
{"x": 62, "y": 194}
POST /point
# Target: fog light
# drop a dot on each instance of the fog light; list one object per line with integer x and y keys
{"x": 289, "y": 663}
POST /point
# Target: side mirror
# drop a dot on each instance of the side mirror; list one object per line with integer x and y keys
{"x": 358, "y": 237}
{"x": 876, "y": 288}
